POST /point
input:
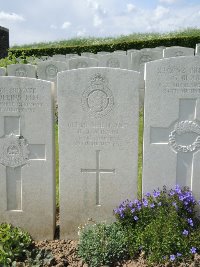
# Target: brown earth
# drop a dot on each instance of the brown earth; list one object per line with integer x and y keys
{"x": 65, "y": 254}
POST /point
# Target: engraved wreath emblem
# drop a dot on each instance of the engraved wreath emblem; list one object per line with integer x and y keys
{"x": 98, "y": 99}
{"x": 14, "y": 151}
{"x": 182, "y": 128}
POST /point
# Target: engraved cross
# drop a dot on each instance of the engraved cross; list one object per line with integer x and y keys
{"x": 98, "y": 171}
{"x": 15, "y": 152}
{"x": 183, "y": 137}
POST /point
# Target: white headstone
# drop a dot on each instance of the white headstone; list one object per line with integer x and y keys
{"x": 2, "y": 71}
{"x": 59, "y": 57}
{"x": 21, "y": 70}
{"x": 98, "y": 137}
{"x": 177, "y": 51}
{"x": 172, "y": 124}
{"x": 197, "y": 50}
{"x": 27, "y": 180}
{"x": 113, "y": 60}
{"x": 82, "y": 62}
{"x": 137, "y": 62}
{"x": 49, "y": 69}
{"x": 88, "y": 54}
{"x": 121, "y": 52}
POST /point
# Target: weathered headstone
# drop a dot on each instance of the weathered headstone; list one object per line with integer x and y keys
{"x": 121, "y": 52}
{"x": 98, "y": 137}
{"x": 172, "y": 124}
{"x": 113, "y": 60}
{"x": 177, "y": 51}
{"x": 88, "y": 54}
{"x": 27, "y": 180}
{"x": 197, "y": 50}
{"x": 21, "y": 70}
{"x": 137, "y": 61}
{"x": 49, "y": 69}
{"x": 4, "y": 42}
{"x": 2, "y": 71}
{"x": 82, "y": 62}
{"x": 59, "y": 57}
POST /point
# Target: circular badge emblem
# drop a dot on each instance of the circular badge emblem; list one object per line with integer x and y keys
{"x": 98, "y": 99}
{"x": 14, "y": 151}
{"x": 51, "y": 71}
{"x": 20, "y": 72}
{"x": 185, "y": 127}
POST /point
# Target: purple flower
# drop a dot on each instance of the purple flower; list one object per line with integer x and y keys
{"x": 185, "y": 232}
{"x": 132, "y": 210}
{"x": 135, "y": 218}
{"x": 193, "y": 250}
{"x": 145, "y": 203}
{"x": 181, "y": 197}
{"x": 148, "y": 194}
{"x": 172, "y": 193}
{"x": 156, "y": 194}
{"x": 199, "y": 201}
{"x": 172, "y": 257}
{"x": 152, "y": 205}
{"x": 190, "y": 221}
{"x": 178, "y": 254}
{"x": 177, "y": 189}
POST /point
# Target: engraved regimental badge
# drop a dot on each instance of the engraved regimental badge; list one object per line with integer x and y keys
{"x": 14, "y": 151}
{"x": 97, "y": 99}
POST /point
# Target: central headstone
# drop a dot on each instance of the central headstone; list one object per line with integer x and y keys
{"x": 172, "y": 124}
{"x": 98, "y": 137}
{"x": 27, "y": 181}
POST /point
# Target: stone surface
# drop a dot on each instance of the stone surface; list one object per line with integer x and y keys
{"x": 4, "y": 42}
{"x": 2, "y": 71}
{"x": 59, "y": 57}
{"x": 172, "y": 124}
{"x": 48, "y": 70}
{"x": 177, "y": 51}
{"x": 82, "y": 62}
{"x": 21, "y": 70}
{"x": 98, "y": 137}
{"x": 137, "y": 60}
{"x": 27, "y": 180}
{"x": 88, "y": 54}
{"x": 113, "y": 60}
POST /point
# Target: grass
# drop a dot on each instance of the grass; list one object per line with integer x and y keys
{"x": 106, "y": 40}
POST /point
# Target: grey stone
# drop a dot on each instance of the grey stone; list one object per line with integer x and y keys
{"x": 98, "y": 137}
{"x": 121, "y": 52}
{"x": 197, "y": 50}
{"x": 137, "y": 60}
{"x": 22, "y": 70}
{"x": 113, "y": 60}
{"x": 49, "y": 69}
{"x": 172, "y": 124}
{"x": 82, "y": 62}
{"x": 59, "y": 57}
{"x": 2, "y": 71}
{"x": 27, "y": 173}
{"x": 177, "y": 51}
{"x": 88, "y": 54}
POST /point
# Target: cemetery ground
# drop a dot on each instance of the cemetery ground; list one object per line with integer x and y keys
{"x": 62, "y": 253}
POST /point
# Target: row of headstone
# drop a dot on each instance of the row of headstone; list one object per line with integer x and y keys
{"x": 98, "y": 140}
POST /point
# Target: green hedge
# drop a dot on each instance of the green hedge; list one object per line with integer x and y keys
{"x": 186, "y": 41}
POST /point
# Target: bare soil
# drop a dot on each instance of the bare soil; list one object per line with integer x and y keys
{"x": 65, "y": 254}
